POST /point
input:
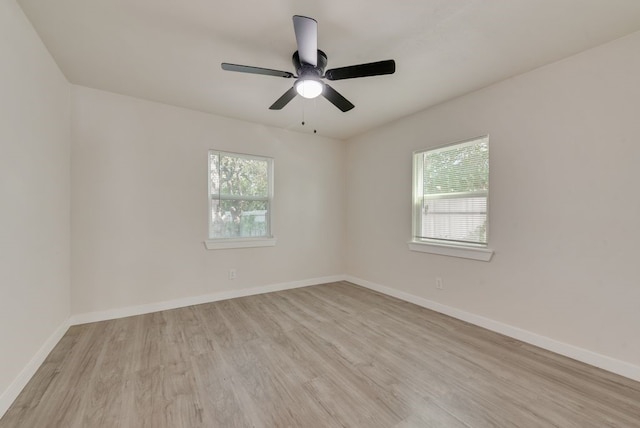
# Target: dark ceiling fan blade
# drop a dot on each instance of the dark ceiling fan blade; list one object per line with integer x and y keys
{"x": 306, "y": 30}
{"x": 336, "y": 99}
{"x": 362, "y": 70}
{"x": 255, "y": 70}
{"x": 284, "y": 99}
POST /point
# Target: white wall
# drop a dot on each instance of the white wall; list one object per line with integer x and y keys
{"x": 564, "y": 205}
{"x": 34, "y": 193}
{"x": 139, "y": 183}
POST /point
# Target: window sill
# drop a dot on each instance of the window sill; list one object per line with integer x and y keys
{"x": 225, "y": 244}
{"x": 473, "y": 253}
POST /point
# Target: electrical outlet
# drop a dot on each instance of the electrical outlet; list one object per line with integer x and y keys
{"x": 439, "y": 285}
{"x": 232, "y": 274}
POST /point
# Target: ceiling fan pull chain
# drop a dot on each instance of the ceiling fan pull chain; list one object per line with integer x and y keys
{"x": 303, "y": 113}
{"x": 315, "y": 110}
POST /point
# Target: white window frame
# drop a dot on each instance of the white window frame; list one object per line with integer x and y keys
{"x": 269, "y": 239}
{"x": 474, "y": 251}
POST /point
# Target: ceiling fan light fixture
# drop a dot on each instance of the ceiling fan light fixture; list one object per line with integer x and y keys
{"x": 309, "y": 88}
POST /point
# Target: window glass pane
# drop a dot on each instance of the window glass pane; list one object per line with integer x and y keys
{"x": 452, "y": 187}
{"x": 460, "y": 168}
{"x": 239, "y": 219}
{"x": 243, "y": 176}
{"x": 240, "y": 195}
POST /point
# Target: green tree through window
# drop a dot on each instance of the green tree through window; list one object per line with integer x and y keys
{"x": 240, "y": 195}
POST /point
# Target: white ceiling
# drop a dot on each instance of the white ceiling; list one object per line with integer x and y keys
{"x": 170, "y": 51}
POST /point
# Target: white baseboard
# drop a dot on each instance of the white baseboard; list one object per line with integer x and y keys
{"x": 196, "y": 300}
{"x": 580, "y": 354}
{"x": 10, "y": 394}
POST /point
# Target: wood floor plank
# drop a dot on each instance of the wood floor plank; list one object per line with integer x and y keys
{"x": 215, "y": 387}
{"x": 343, "y": 402}
{"x": 429, "y": 415}
{"x": 333, "y": 355}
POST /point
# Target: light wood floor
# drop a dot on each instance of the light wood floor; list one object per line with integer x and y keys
{"x": 333, "y": 355}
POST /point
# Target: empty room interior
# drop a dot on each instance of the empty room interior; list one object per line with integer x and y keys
{"x": 445, "y": 234}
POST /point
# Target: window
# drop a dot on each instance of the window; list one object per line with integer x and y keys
{"x": 450, "y": 193}
{"x": 240, "y": 199}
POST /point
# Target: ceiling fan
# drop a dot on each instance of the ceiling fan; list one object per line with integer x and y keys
{"x": 309, "y": 62}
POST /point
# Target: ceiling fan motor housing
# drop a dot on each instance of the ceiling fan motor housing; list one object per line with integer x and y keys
{"x": 309, "y": 70}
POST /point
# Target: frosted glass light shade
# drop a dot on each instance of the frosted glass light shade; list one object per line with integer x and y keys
{"x": 309, "y": 88}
